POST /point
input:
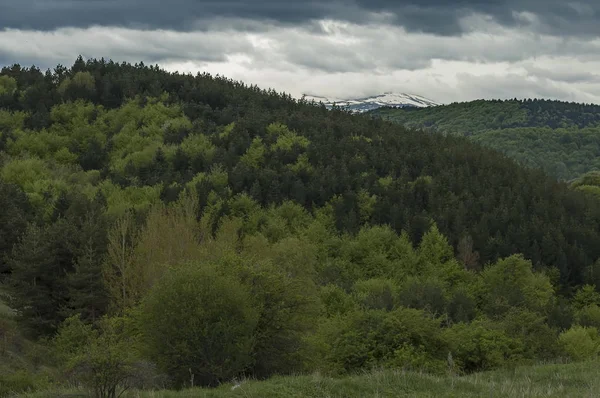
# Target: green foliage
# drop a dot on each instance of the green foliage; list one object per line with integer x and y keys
{"x": 376, "y": 294}
{"x": 13, "y": 220}
{"x": 20, "y": 382}
{"x": 8, "y": 85}
{"x": 198, "y": 145}
{"x": 199, "y": 322}
{"x": 592, "y": 178}
{"x": 288, "y": 305}
{"x": 479, "y": 346}
{"x": 264, "y": 236}
{"x": 255, "y": 155}
{"x": 512, "y": 283}
{"x": 536, "y": 338}
{"x": 559, "y": 137}
{"x": 586, "y": 296}
{"x": 55, "y": 268}
{"x": 120, "y": 200}
{"x": 104, "y": 359}
{"x": 427, "y": 295}
{"x": 580, "y": 342}
{"x": 287, "y": 140}
{"x": 336, "y": 301}
{"x": 374, "y": 338}
{"x": 588, "y": 316}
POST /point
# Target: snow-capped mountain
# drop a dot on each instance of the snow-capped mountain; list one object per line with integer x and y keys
{"x": 359, "y": 105}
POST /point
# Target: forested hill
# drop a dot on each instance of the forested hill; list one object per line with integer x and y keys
{"x": 133, "y": 134}
{"x": 561, "y": 138}
{"x": 136, "y": 205}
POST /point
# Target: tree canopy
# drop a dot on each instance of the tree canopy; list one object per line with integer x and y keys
{"x": 561, "y": 138}
{"x": 333, "y": 242}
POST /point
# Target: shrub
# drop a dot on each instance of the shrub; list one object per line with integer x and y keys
{"x": 102, "y": 358}
{"x": 580, "y": 342}
{"x": 336, "y": 301}
{"x": 461, "y": 307}
{"x": 287, "y": 304}
{"x": 376, "y": 294}
{"x": 423, "y": 295}
{"x": 21, "y": 381}
{"x": 196, "y": 321}
{"x": 479, "y": 346}
{"x": 400, "y": 338}
{"x": 588, "y": 316}
{"x": 538, "y": 340}
{"x": 511, "y": 282}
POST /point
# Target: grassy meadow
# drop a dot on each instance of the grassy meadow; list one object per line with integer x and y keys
{"x": 571, "y": 380}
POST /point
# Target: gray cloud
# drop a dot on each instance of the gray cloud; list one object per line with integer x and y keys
{"x": 47, "y": 49}
{"x": 333, "y": 47}
{"x": 472, "y": 49}
{"x": 565, "y": 76}
{"x": 516, "y": 86}
{"x": 441, "y": 17}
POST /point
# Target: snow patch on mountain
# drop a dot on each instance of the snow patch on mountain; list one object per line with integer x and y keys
{"x": 359, "y": 105}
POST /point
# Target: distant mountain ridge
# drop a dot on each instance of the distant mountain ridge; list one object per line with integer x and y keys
{"x": 365, "y": 104}
{"x": 559, "y": 137}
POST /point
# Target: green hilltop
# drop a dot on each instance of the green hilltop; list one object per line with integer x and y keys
{"x": 561, "y": 138}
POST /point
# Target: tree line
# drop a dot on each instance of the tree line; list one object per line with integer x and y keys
{"x": 560, "y": 138}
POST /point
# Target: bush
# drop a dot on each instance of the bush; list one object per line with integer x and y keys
{"x": 479, "y": 346}
{"x": 336, "y": 301}
{"x": 511, "y": 282}
{"x": 288, "y": 306}
{"x": 21, "y": 381}
{"x": 462, "y": 307}
{"x": 364, "y": 339}
{"x": 198, "y": 325}
{"x": 588, "y": 316}
{"x": 580, "y": 342}
{"x": 376, "y": 294}
{"x": 538, "y": 340}
{"x": 427, "y": 296}
{"x": 103, "y": 358}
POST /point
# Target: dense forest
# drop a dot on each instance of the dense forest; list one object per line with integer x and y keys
{"x": 560, "y": 138}
{"x": 168, "y": 230}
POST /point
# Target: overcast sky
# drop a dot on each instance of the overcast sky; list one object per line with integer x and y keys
{"x": 441, "y": 49}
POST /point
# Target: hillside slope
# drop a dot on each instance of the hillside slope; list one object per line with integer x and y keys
{"x": 160, "y": 230}
{"x": 274, "y": 148}
{"x": 560, "y": 138}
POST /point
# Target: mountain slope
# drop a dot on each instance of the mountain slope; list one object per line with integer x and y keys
{"x": 365, "y": 104}
{"x": 324, "y": 158}
{"x": 561, "y": 138}
{"x": 137, "y": 204}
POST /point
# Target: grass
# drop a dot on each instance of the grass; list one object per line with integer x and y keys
{"x": 4, "y": 309}
{"x": 572, "y": 380}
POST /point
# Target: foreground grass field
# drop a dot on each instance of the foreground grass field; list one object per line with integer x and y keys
{"x": 572, "y": 380}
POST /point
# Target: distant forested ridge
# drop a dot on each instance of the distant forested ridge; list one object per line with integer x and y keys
{"x": 331, "y": 241}
{"x": 562, "y": 138}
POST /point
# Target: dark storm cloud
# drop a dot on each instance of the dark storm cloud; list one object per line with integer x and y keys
{"x": 431, "y": 16}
